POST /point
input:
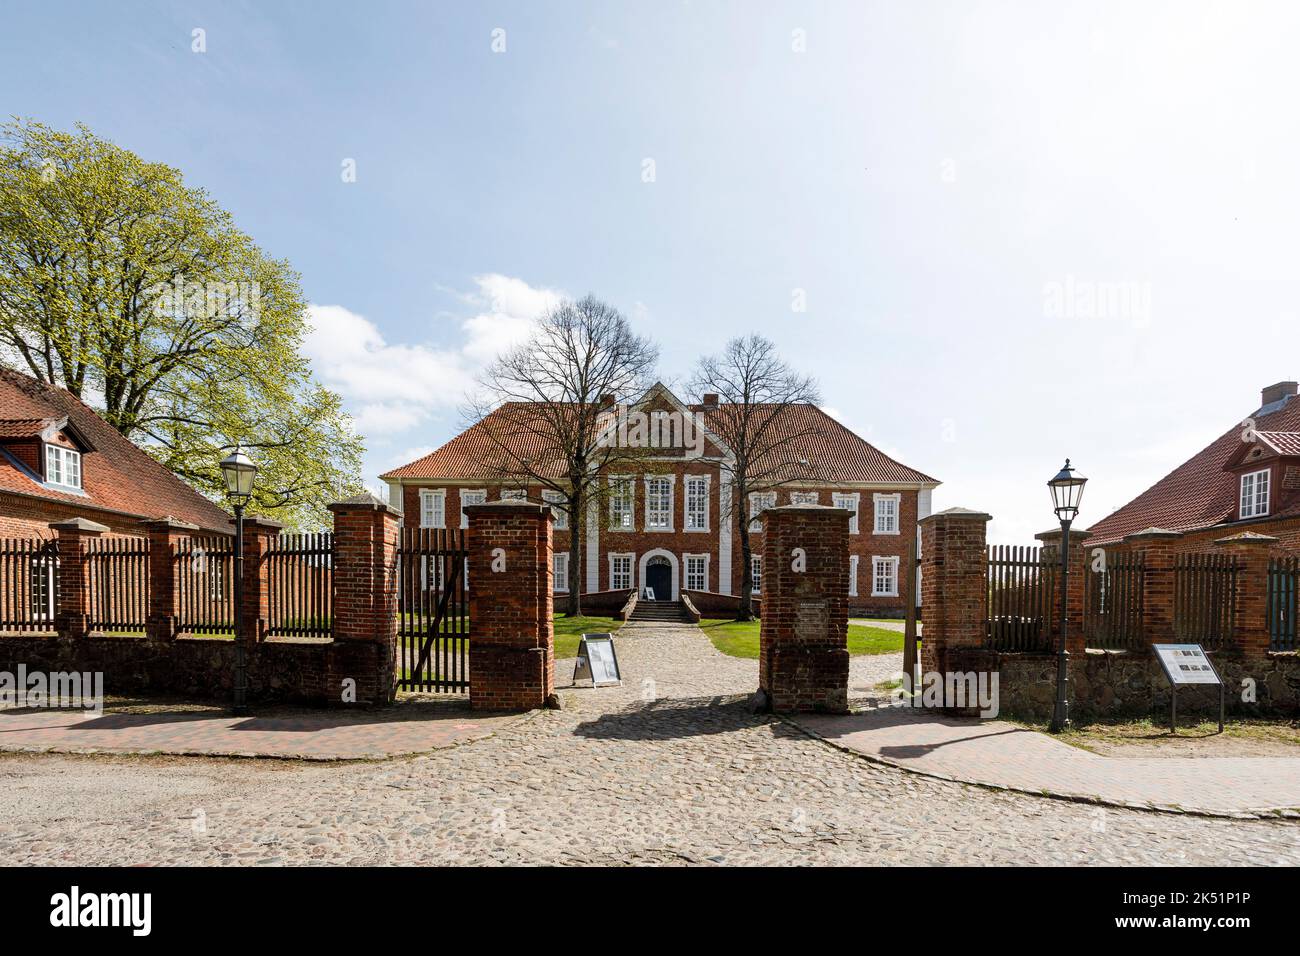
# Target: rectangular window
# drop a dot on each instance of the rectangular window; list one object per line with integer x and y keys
{"x": 560, "y": 563}
{"x": 62, "y": 466}
{"x": 658, "y": 504}
{"x": 887, "y": 514}
{"x": 1254, "y": 494}
{"x": 759, "y": 502}
{"x": 884, "y": 577}
{"x": 853, "y": 575}
{"x": 514, "y": 494}
{"x": 556, "y": 501}
{"x": 803, "y": 498}
{"x": 697, "y": 503}
{"x": 468, "y": 498}
{"x": 620, "y": 572}
{"x": 756, "y": 573}
{"x": 849, "y": 503}
{"x": 216, "y": 581}
{"x": 622, "y": 504}
{"x": 433, "y": 506}
{"x": 42, "y": 569}
{"x": 697, "y": 572}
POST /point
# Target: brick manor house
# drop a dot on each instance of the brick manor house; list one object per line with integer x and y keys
{"x": 665, "y": 522}
{"x": 59, "y": 460}
{"x": 1247, "y": 480}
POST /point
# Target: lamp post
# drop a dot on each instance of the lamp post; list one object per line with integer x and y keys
{"x": 239, "y": 472}
{"x": 1067, "y": 492}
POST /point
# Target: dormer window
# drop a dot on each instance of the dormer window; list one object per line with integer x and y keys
{"x": 1254, "y": 494}
{"x": 62, "y": 466}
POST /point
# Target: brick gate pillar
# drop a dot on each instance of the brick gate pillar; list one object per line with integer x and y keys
{"x": 803, "y": 659}
{"x": 259, "y": 536}
{"x": 164, "y": 583}
{"x": 365, "y": 600}
{"x": 72, "y": 616}
{"x": 954, "y": 585}
{"x": 1076, "y": 641}
{"x": 1156, "y": 545}
{"x": 1250, "y": 635}
{"x": 511, "y": 644}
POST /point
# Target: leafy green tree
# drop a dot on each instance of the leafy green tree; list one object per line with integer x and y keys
{"x": 140, "y": 295}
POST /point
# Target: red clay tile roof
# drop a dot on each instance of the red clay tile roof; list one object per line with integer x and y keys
{"x": 24, "y": 427}
{"x": 1199, "y": 493}
{"x": 1284, "y": 443}
{"x": 839, "y": 455}
{"x": 116, "y": 476}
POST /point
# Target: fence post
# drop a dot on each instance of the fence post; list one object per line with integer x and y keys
{"x": 512, "y": 642}
{"x": 259, "y": 534}
{"x": 803, "y": 658}
{"x": 365, "y": 598}
{"x": 1250, "y": 634}
{"x": 164, "y": 583}
{"x": 1156, "y": 546}
{"x": 1076, "y": 641}
{"x": 72, "y": 618}
{"x": 954, "y": 584}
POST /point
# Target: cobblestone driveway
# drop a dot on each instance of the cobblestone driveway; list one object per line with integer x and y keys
{"x": 689, "y": 777}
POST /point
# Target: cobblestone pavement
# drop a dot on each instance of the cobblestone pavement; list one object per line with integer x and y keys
{"x": 689, "y": 776}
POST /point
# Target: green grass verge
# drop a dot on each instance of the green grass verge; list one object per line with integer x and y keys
{"x": 569, "y": 631}
{"x": 740, "y": 639}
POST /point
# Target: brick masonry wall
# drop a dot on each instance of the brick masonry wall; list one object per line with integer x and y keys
{"x": 23, "y": 517}
{"x": 803, "y": 652}
{"x": 512, "y": 646}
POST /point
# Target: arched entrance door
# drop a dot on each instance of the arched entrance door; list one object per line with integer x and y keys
{"x": 659, "y": 577}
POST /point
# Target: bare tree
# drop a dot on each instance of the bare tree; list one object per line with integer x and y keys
{"x": 543, "y": 404}
{"x": 756, "y": 417}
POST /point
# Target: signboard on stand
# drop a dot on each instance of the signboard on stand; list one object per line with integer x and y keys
{"x": 1186, "y": 664}
{"x": 597, "y": 661}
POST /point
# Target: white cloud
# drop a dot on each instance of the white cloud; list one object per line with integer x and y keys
{"x": 391, "y": 387}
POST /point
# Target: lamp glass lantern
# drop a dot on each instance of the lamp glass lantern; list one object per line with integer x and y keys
{"x": 239, "y": 472}
{"x": 1067, "y": 492}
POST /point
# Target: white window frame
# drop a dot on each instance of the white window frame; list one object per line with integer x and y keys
{"x": 702, "y": 516}
{"x": 554, "y": 498}
{"x": 759, "y": 501}
{"x": 514, "y": 494}
{"x": 560, "y": 570}
{"x": 755, "y": 574}
{"x": 630, "y": 557}
{"x": 897, "y": 501}
{"x": 672, "y": 500}
{"x": 41, "y": 586}
{"x": 622, "y": 493}
{"x": 61, "y": 464}
{"x": 429, "y": 518}
{"x": 853, "y": 575}
{"x": 805, "y": 498}
{"x": 849, "y": 502}
{"x": 464, "y": 518}
{"x": 890, "y": 562}
{"x": 1256, "y": 485}
{"x": 703, "y": 560}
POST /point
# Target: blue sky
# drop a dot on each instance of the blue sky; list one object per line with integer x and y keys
{"x": 952, "y": 188}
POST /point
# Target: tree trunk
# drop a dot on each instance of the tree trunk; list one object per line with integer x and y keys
{"x": 746, "y": 610}
{"x": 576, "y": 532}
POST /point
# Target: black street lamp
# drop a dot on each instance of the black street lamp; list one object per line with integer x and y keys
{"x": 240, "y": 473}
{"x": 1067, "y": 492}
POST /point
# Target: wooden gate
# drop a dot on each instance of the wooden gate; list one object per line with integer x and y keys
{"x": 432, "y": 610}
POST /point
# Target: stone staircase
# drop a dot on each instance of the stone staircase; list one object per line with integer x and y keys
{"x": 662, "y": 612}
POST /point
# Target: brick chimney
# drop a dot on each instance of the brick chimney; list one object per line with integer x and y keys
{"x": 1275, "y": 393}
{"x": 710, "y": 400}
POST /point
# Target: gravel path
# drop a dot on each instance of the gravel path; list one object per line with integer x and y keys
{"x": 669, "y": 768}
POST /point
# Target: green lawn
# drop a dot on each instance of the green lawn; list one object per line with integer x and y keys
{"x": 569, "y": 630}
{"x": 741, "y": 639}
